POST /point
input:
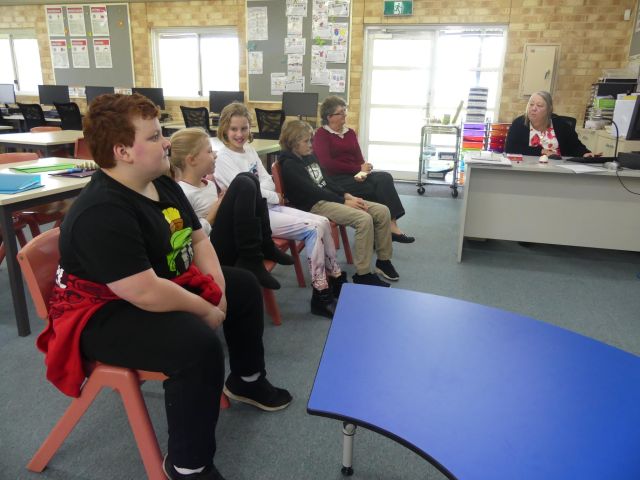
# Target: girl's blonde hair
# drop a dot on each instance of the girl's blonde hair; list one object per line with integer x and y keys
{"x": 235, "y": 109}
{"x": 185, "y": 142}
{"x": 292, "y": 132}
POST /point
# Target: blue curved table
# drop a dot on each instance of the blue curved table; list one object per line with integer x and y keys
{"x": 499, "y": 395}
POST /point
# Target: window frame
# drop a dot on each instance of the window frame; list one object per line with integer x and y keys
{"x": 11, "y": 35}
{"x": 198, "y": 32}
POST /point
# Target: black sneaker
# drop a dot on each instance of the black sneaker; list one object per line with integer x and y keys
{"x": 336, "y": 283}
{"x": 209, "y": 473}
{"x": 369, "y": 279}
{"x": 385, "y": 268}
{"x": 402, "y": 238}
{"x": 260, "y": 393}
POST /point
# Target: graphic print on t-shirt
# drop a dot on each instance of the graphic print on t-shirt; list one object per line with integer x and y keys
{"x": 181, "y": 254}
{"x": 316, "y": 174}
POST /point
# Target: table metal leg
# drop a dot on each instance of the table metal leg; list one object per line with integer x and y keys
{"x": 15, "y": 276}
{"x": 348, "y": 432}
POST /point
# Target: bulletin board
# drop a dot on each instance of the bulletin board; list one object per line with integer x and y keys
{"x": 113, "y": 44}
{"x": 327, "y": 25}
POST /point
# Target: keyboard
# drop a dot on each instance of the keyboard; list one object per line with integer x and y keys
{"x": 592, "y": 159}
{"x": 51, "y": 114}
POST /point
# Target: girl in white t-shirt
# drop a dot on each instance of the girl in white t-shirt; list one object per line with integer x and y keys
{"x": 237, "y": 157}
{"x": 236, "y": 220}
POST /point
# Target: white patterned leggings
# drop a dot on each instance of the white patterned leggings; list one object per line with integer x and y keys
{"x": 315, "y": 231}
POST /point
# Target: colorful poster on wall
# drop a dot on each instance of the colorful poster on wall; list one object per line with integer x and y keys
{"x": 80, "y": 53}
{"x": 255, "y": 63}
{"x": 102, "y": 52}
{"x": 257, "y": 23}
{"x": 295, "y": 45}
{"x": 75, "y": 19}
{"x": 294, "y": 65}
{"x": 99, "y": 20}
{"x": 338, "y": 80}
{"x": 59, "y": 56}
{"x": 339, "y": 33}
{"x": 55, "y": 21}
{"x": 278, "y": 82}
{"x": 294, "y": 26}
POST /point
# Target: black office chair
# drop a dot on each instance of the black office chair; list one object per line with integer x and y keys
{"x": 33, "y": 115}
{"x": 570, "y": 120}
{"x": 70, "y": 117}
{"x": 269, "y": 123}
{"x": 196, "y": 117}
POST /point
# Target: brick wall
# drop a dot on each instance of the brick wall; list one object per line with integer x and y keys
{"x": 591, "y": 33}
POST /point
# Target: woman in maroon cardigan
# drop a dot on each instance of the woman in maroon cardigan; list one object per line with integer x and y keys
{"x": 337, "y": 149}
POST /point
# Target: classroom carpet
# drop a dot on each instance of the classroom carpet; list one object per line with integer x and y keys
{"x": 592, "y": 292}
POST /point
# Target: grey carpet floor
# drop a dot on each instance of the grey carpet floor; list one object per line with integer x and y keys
{"x": 592, "y": 292}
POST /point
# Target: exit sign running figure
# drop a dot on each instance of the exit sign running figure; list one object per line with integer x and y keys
{"x": 392, "y": 8}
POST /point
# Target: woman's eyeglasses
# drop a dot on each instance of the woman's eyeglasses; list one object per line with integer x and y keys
{"x": 342, "y": 114}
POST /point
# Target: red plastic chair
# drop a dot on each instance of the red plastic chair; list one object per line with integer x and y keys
{"x": 277, "y": 179}
{"x": 41, "y": 214}
{"x": 81, "y": 150}
{"x": 39, "y": 261}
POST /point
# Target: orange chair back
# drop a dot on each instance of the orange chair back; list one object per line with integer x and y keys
{"x": 39, "y": 262}
{"x": 276, "y": 174}
{"x": 17, "y": 157}
{"x": 82, "y": 150}
{"x": 45, "y": 129}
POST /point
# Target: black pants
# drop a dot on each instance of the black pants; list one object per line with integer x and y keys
{"x": 184, "y": 348}
{"x": 242, "y": 200}
{"x": 378, "y": 187}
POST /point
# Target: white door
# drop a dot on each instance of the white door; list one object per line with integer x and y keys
{"x": 411, "y": 73}
{"x": 394, "y": 97}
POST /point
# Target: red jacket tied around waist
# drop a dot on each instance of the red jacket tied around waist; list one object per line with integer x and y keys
{"x": 71, "y": 307}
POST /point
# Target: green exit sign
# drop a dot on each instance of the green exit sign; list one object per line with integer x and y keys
{"x": 392, "y": 8}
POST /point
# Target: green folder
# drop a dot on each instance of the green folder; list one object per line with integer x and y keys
{"x": 44, "y": 168}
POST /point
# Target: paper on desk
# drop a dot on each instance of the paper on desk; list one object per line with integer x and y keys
{"x": 488, "y": 158}
{"x": 580, "y": 168}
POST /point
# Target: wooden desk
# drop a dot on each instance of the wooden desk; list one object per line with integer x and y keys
{"x": 54, "y": 188}
{"x": 18, "y": 120}
{"x": 543, "y": 203}
{"x": 479, "y": 392}
{"x": 44, "y": 141}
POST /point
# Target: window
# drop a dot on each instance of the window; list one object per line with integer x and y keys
{"x": 189, "y": 63}
{"x": 412, "y": 72}
{"x": 20, "y": 60}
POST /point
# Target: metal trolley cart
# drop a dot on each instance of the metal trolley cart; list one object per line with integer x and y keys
{"x": 436, "y": 162}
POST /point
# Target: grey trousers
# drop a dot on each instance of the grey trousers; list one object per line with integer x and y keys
{"x": 373, "y": 227}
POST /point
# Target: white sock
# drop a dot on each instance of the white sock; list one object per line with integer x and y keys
{"x": 251, "y": 378}
{"x": 188, "y": 471}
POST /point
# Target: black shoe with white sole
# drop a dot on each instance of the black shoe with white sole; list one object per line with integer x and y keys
{"x": 260, "y": 394}
{"x": 209, "y": 473}
{"x": 385, "y": 268}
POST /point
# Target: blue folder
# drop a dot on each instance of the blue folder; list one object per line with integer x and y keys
{"x": 16, "y": 183}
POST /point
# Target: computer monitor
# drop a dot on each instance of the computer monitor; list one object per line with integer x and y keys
{"x": 300, "y": 104}
{"x": 53, "y": 93}
{"x": 633, "y": 133}
{"x": 156, "y": 95}
{"x": 7, "y": 93}
{"x": 218, "y": 99}
{"x": 93, "y": 92}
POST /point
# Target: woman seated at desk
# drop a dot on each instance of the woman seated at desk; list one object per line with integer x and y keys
{"x": 541, "y": 132}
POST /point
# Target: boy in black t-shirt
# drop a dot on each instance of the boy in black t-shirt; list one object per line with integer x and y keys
{"x": 133, "y": 231}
